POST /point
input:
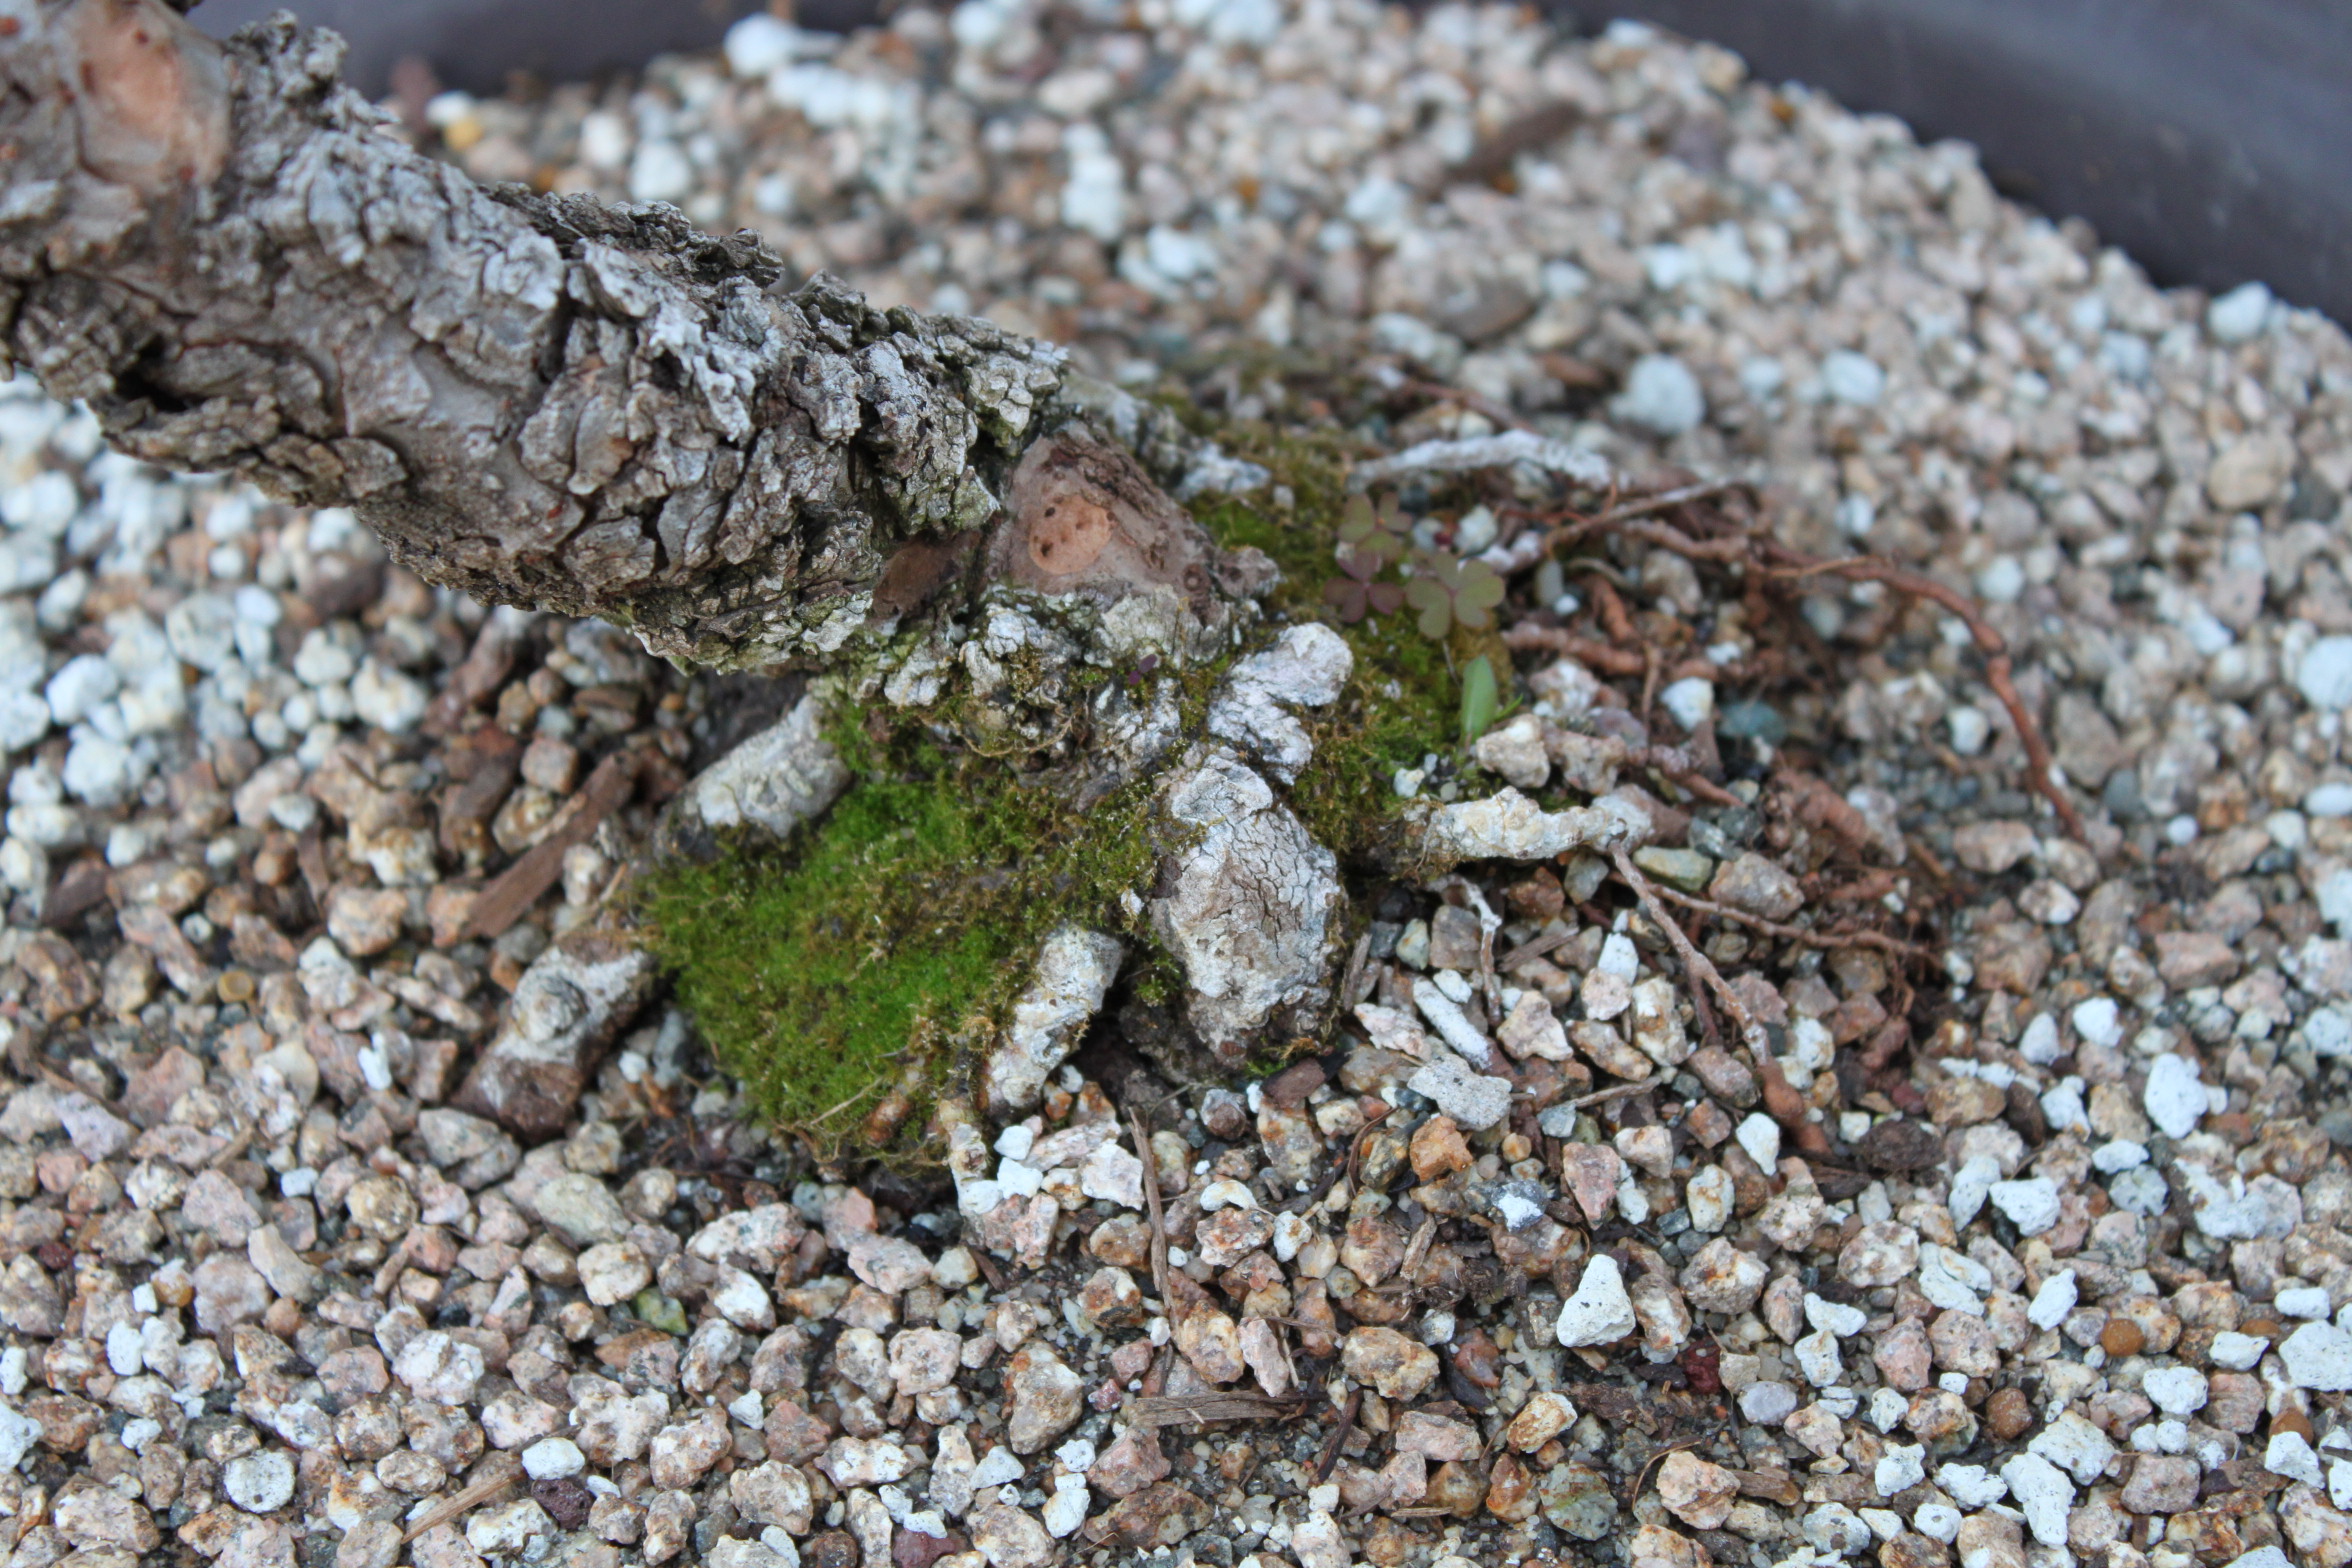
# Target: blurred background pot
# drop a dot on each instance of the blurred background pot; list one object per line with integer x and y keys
{"x": 2206, "y": 137}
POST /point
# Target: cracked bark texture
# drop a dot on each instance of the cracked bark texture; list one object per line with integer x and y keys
{"x": 540, "y": 400}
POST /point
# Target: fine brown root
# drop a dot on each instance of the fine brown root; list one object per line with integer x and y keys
{"x": 1998, "y": 674}
{"x": 1769, "y": 558}
{"x": 1830, "y": 940}
{"x": 1781, "y": 1099}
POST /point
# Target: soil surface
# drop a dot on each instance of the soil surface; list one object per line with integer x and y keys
{"x": 1898, "y": 1157}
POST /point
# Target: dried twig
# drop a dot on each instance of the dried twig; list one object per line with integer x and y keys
{"x": 1147, "y": 1411}
{"x": 64, "y": 1085}
{"x": 1534, "y": 948}
{"x": 1347, "y": 1422}
{"x": 1358, "y": 958}
{"x": 1619, "y": 1091}
{"x": 995, "y": 1275}
{"x": 1355, "y": 1159}
{"x": 1649, "y": 695}
{"x": 1701, "y": 1008}
{"x": 1151, "y": 1198}
{"x": 518, "y": 887}
{"x": 234, "y": 1149}
{"x": 506, "y": 1471}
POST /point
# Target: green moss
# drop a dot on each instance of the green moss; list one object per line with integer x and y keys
{"x": 1312, "y": 466}
{"x": 1403, "y": 701}
{"x": 879, "y": 951}
{"x": 1400, "y": 706}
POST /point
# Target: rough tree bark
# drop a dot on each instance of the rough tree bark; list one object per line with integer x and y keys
{"x": 542, "y": 400}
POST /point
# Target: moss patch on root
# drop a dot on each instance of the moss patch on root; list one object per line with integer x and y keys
{"x": 1403, "y": 700}
{"x": 848, "y": 976}
{"x": 861, "y": 966}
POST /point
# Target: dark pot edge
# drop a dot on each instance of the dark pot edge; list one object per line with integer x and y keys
{"x": 2203, "y": 137}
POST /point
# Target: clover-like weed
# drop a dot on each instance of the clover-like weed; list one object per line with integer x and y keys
{"x": 1371, "y": 539}
{"x": 1450, "y": 592}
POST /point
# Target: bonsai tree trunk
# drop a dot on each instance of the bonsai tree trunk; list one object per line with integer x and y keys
{"x": 542, "y": 400}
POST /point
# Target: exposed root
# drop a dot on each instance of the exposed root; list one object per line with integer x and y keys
{"x": 1607, "y": 658}
{"x": 1830, "y": 940}
{"x": 1744, "y": 548}
{"x": 1702, "y": 969}
{"x": 1998, "y": 675}
{"x": 1781, "y": 1099}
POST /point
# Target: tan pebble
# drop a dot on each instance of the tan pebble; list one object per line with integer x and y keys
{"x": 1438, "y": 1149}
{"x": 2008, "y": 1413}
{"x": 2122, "y": 1338}
{"x": 1510, "y": 1491}
{"x": 1459, "y": 1489}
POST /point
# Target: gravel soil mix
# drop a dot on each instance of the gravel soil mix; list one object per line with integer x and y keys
{"x": 1917, "y": 1136}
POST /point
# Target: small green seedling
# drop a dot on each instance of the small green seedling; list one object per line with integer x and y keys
{"x": 1479, "y": 698}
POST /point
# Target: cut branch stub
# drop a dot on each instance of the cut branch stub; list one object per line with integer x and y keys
{"x": 541, "y": 400}
{"x": 1083, "y": 517}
